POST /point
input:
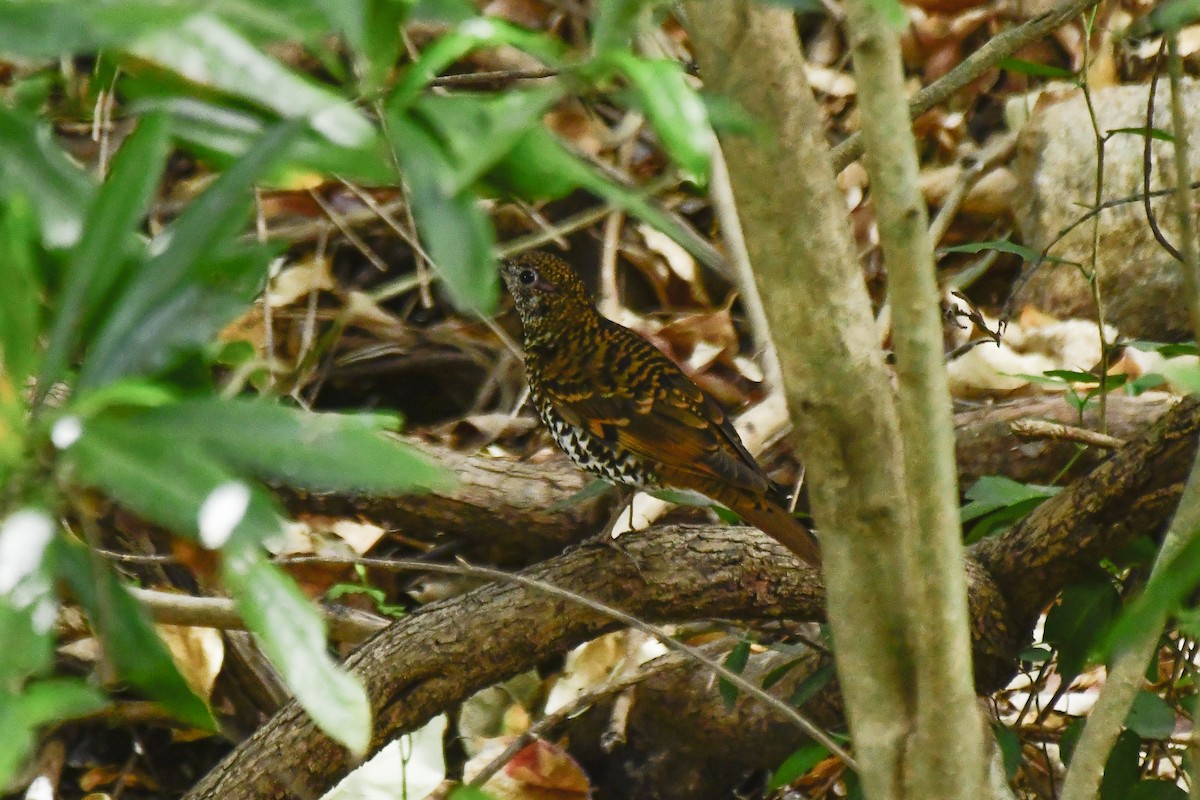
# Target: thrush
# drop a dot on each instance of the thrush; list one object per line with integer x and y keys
{"x": 624, "y": 411}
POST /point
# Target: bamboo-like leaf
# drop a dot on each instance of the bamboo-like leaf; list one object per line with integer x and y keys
{"x": 96, "y": 263}
{"x": 209, "y": 52}
{"x": 130, "y": 642}
{"x": 324, "y": 452}
{"x": 32, "y": 163}
{"x": 292, "y": 634}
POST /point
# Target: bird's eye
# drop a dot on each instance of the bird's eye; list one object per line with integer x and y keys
{"x": 527, "y": 276}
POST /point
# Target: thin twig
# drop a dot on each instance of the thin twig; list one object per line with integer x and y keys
{"x": 1040, "y": 429}
{"x": 998, "y": 48}
{"x": 345, "y": 624}
{"x": 348, "y": 231}
{"x": 725, "y": 207}
{"x": 1147, "y": 140}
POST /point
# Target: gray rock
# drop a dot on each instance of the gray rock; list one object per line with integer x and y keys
{"x": 1141, "y": 284}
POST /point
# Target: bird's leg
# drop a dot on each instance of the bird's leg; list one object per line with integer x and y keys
{"x": 625, "y": 495}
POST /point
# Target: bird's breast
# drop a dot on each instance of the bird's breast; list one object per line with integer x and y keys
{"x": 594, "y": 455}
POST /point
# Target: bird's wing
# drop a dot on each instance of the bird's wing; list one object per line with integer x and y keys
{"x": 660, "y": 415}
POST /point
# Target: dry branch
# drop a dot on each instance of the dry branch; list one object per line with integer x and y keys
{"x": 443, "y": 653}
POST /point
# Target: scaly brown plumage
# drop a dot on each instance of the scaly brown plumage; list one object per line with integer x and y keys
{"x": 624, "y": 411}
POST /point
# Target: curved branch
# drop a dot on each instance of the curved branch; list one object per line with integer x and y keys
{"x": 448, "y": 650}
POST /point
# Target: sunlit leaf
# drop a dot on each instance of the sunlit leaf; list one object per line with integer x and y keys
{"x": 208, "y": 52}
{"x": 164, "y": 479}
{"x": 797, "y": 764}
{"x": 477, "y": 131}
{"x": 37, "y": 29}
{"x": 130, "y": 642}
{"x": 184, "y": 281}
{"x": 372, "y": 29}
{"x": 220, "y": 135}
{"x": 28, "y": 603}
{"x": 96, "y": 264}
{"x": 1035, "y": 69}
{"x": 32, "y": 163}
{"x": 615, "y": 23}
{"x": 292, "y": 634}
{"x": 463, "y": 39}
{"x": 1182, "y": 373}
{"x": 675, "y": 110}
{"x": 455, "y": 230}
{"x": 20, "y": 324}
{"x": 1153, "y": 133}
{"x": 41, "y": 703}
{"x": 329, "y": 452}
{"x": 540, "y": 167}
{"x": 996, "y": 491}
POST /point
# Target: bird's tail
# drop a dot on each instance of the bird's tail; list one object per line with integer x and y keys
{"x": 781, "y": 526}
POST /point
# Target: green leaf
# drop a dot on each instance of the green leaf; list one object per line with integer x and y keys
{"x": 1182, "y": 373}
{"x": 41, "y": 29}
{"x": 1161, "y": 597}
{"x": 992, "y": 492}
{"x": 20, "y": 324}
{"x": 31, "y": 162}
{"x": 292, "y": 634}
{"x": 1150, "y": 716}
{"x": 456, "y": 232}
{"x": 372, "y": 29}
{"x": 1076, "y": 625}
{"x": 1156, "y": 790}
{"x": 1165, "y": 349}
{"x": 807, "y": 688}
{"x": 185, "y": 319}
{"x": 1070, "y": 738}
{"x": 615, "y": 24}
{"x": 1035, "y": 69}
{"x": 1172, "y": 15}
{"x": 893, "y": 13}
{"x": 1010, "y": 748}
{"x": 208, "y": 52}
{"x": 175, "y": 483}
{"x": 95, "y": 267}
{"x": 675, "y": 110}
{"x": 28, "y": 604}
{"x": 1122, "y": 770}
{"x": 323, "y": 452}
{"x": 1153, "y": 133}
{"x": 469, "y": 793}
{"x": 130, "y": 642}
{"x": 464, "y": 38}
{"x": 183, "y": 281}
{"x": 540, "y": 167}
{"x": 736, "y": 661}
{"x": 220, "y": 135}
{"x": 797, "y": 764}
{"x": 477, "y": 131}
{"x": 41, "y": 703}
{"x": 1006, "y": 246}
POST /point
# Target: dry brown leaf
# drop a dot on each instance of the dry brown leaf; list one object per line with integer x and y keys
{"x": 198, "y": 654}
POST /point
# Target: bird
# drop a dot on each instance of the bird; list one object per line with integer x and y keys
{"x": 624, "y": 411}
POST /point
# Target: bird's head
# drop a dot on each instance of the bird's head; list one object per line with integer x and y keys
{"x": 548, "y": 294}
